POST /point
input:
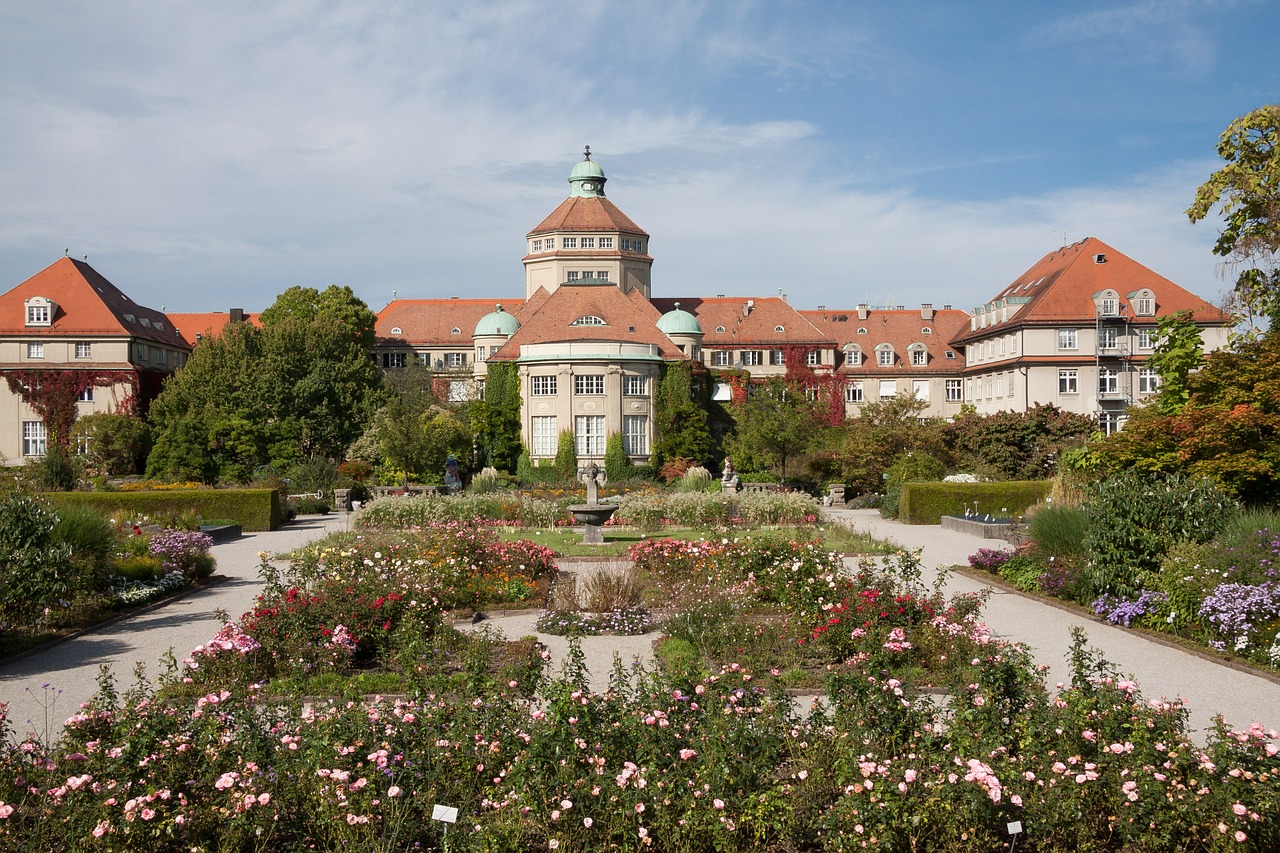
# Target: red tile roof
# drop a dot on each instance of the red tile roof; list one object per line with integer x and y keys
{"x": 584, "y": 213}
{"x": 88, "y": 305}
{"x": 552, "y": 321}
{"x": 747, "y": 321}
{"x": 900, "y": 328}
{"x": 1060, "y": 287}
{"x": 207, "y": 324}
{"x": 430, "y": 322}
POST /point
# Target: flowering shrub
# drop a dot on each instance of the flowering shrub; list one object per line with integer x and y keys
{"x": 625, "y": 622}
{"x": 990, "y": 559}
{"x": 1123, "y": 611}
{"x": 185, "y": 551}
{"x": 1243, "y": 616}
{"x": 497, "y": 508}
{"x": 132, "y": 592}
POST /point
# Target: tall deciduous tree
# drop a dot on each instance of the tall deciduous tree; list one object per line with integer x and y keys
{"x": 1179, "y": 351}
{"x": 776, "y": 424}
{"x": 1247, "y": 189}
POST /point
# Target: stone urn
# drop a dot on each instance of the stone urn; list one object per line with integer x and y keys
{"x": 591, "y": 517}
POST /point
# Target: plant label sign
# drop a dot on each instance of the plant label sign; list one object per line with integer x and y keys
{"x": 1015, "y": 827}
{"x": 448, "y": 814}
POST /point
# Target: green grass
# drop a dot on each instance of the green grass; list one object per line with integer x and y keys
{"x": 566, "y": 542}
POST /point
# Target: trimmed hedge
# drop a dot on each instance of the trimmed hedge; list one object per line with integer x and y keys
{"x": 926, "y": 503}
{"x": 252, "y": 509}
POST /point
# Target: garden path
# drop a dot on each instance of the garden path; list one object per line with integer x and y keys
{"x": 70, "y": 668}
{"x": 1208, "y": 686}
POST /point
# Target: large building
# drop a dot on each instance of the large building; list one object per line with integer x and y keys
{"x": 589, "y": 335}
{"x": 67, "y": 330}
{"x": 589, "y": 338}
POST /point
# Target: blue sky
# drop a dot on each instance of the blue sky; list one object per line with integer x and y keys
{"x": 209, "y": 155}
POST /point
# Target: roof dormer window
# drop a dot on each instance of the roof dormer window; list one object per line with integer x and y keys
{"x": 395, "y": 330}
{"x": 129, "y": 318}
{"x": 589, "y": 320}
{"x": 1144, "y": 302}
{"x": 779, "y": 328}
{"x": 40, "y": 311}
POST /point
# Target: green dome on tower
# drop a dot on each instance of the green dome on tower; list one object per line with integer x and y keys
{"x": 497, "y": 322}
{"x": 678, "y": 322}
{"x": 587, "y": 178}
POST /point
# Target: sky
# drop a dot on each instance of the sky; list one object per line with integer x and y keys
{"x": 205, "y": 156}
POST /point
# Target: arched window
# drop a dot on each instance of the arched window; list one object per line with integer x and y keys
{"x": 853, "y": 354}
{"x": 589, "y": 320}
{"x": 884, "y": 355}
{"x": 919, "y": 354}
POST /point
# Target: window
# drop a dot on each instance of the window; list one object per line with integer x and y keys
{"x": 1000, "y": 385}
{"x": 1148, "y": 381}
{"x": 424, "y": 359}
{"x": 84, "y": 350}
{"x": 33, "y": 438}
{"x": 549, "y": 243}
{"x": 455, "y": 359}
{"x": 884, "y": 355}
{"x": 777, "y": 358}
{"x": 86, "y": 395}
{"x": 853, "y": 392}
{"x": 543, "y": 386}
{"x": 35, "y": 350}
{"x": 162, "y": 357}
{"x": 1066, "y": 339}
{"x": 1001, "y": 344}
{"x": 1109, "y": 422}
{"x": 720, "y": 358}
{"x": 1144, "y": 306}
{"x": 955, "y": 391}
{"x": 635, "y": 386}
{"x": 573, "y": 276}
{"x": 480, "y": 354}
{"x": 888, "y": 389}
{"x": 588, "y": 242}
{"x": 602, "y": 275}
{"x": 919, "y": 357}
{"x": 588, "y": 435}
{"x": 1068, "y": 381}
{"x": 813, "y": 357}
{"x": 635, "y": 435}
{"x": 589, "y": 384}
{"x": 853, "y": 354}
{"x": 545, "y": 435}
{"x": 638, "y": 245}
{"x": 1108, "y": 381}
{"x": 38, "y": 315}
{"x": 455, "y": 331}
{"x": 752, "y": 358}
{"x": 1011, "y": 388}
{"x": 458, "y": 391}
{"x": 537, "y": 245}
{"x": 1107, "y": 338}
{"x": 493, "y": 350}
{"x": 140, "y": 352}
{"x": 393, "y": 359}
{"x": 920, "y": 389}
{"x": 479, "y": 392}
{"x": 568, "y": 242}
{"x": 589, "y": 320}
{"x": 1107, "y": 306}
{"x": 1147, "y": 338}
{"x": 606, "y": 242}
{"x": 626, "y": 245}
{"x": 951, "y": 353}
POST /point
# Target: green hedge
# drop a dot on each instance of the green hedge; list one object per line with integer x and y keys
{"x": 252, "y": 509}
{"x": 926, "y": 503}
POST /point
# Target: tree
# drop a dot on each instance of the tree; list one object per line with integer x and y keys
{"x": 1248, "y": 191}
{"x": 1017, "y": 445}
{"x": 775, "y": 424}
{"x": 1179, "y": 352}
{"x": 113, "y": 443}
{"x": 496, "y": 418}
{"x": 337, "y": 303}
{"x": 419, "y": 441}
{"x": 867, "y": 445}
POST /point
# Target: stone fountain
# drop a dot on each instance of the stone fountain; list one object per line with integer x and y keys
{"x": 592, "y": 515}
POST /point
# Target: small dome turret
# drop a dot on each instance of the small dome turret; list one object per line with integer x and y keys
{"x": 587, "y": 178}
{"x": 678, "y": 322}
{"x": 497, "y": 322}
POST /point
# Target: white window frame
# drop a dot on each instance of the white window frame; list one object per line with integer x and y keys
{"x": 606, "y": 242}
{"x": 1148, "y": 381}
{"x": 39, "y": 315}
{"x": 752, "y": 358}
{"x": 884, "y": 356}
{"x": 588, "y": 242}
{"x": 1108, "y": 306}
{"x": 542, "y": 386}
{"x": 84, "y": 349}
{"x": 1068, "y": 380}
{"x": 920, "y": 389}
{"x": 888, "y": 389}
{"x": 572, "y": 276}
{"x": 635, "y": 435}
{"x": 544, "y": 434}
{"x": 588, "y": 435}
{"x": 777, "y": 358}
{"x": 1108, "y": 337}
{"x": 955, "y": 391}
{"x": 588, "y": 384}
{"x": 35, "y": 350}
{"x": 35, "y": 439}
{"x": 1108, "y": 381}
{"x": 919, "y": 357}
{"x": 1148, "y": 338}
{"x": 719, "y": 358}
{"x": 140, "y": 351}
{"x": 1144, "y": 306}
{"x": 162, "y": 357}
{"x": 1068, "y": 339}
{"x": 853, "y": 392}
{"x": 813, "y": 358}
{"x": 392, "y": 360}
{"x": 568, "y": 242}
{"x": 85, "y": 395}
{"x": 455, "y": 359}
{"x": 635, "y": 386}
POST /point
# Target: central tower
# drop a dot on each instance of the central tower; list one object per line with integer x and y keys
{"x": 587, "y": 240}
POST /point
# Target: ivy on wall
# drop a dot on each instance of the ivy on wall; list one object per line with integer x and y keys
{"x": 53, "y": 394}
{"x": 498, "y": 416}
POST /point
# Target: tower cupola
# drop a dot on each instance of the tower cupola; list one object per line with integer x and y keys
{"x": 587, "y": 178}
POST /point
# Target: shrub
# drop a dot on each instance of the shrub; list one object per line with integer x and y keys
{"x": 56, "y": 471}
{"x": 989, "y": 559}
{"x": 1023, "y": 571}
{"x": 695, "y": 479}
{"x": 85, "y": 532}
{"x": 425, "y": 510}
{"x": 1134, "y": 517}
{"x": 566, "y": 464}
{"x": 309, "y": 505}
{"x": 1058, "y": 531}
{"x": 137, "y": 568}
{"x": 486, "y": 482}
{"x": 617, "y": 465}
{"x": 184, "y": 551}
{"x": 926, "y": 503}
{"x": 252, "y": 509}
{"x": 908, "y": 467}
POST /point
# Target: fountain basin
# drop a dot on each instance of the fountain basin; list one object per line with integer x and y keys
{"x": 596, "y": 514}
{"x": 996, "y": 528}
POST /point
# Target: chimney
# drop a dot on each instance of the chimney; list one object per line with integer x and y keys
{"x": 926, "y": 311}
{"x": 863, "y": 310}
{"x": 946, "y": 307}
{"x": 237, "y": 315}
{"x": 746, "y": 309}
